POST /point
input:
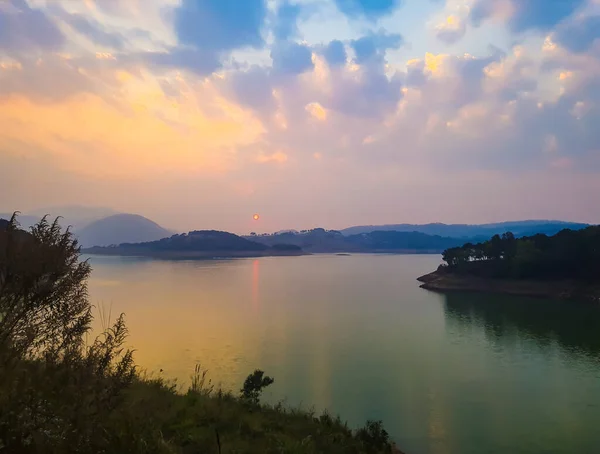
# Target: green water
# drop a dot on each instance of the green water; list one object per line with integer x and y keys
{"x": 458, "y": 374}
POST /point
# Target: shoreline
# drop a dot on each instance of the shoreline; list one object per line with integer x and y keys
{"x": 192, "y": 255}
{"x": 209, "y": 255}
{"x": 445, "y": 282}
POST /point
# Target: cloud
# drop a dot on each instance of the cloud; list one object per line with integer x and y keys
{"x": 144, "y": 134}
{"x": 196, "y": 60}
{"x": 51, "y": 78}
{"x": 317, "y": 111}
{"x": 92, "y": 30}
{"x": 465, "y": 132}
{"x": 370, "y": 9}
{"x": 220, "y": 25}
{"x": 291, "y": 58}
{"x": 278, "y": 157}
{"x": 523, "y": 15}
{"x": 24, "y": 29}
{"x": 367, "y": 93}
{"x": 578, "y": 35}
{"x": 451, "y": 30}
{"x": 253, "y": 88}
{"x": 374, "y": 46}
{"x": 286, "y": 21}
{"x": 335, "y": 53}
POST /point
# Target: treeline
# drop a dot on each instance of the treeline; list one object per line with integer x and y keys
{"x": 321, "y": 240}
{"x": 201, "y": 240}
{"x": 567, "y": 255}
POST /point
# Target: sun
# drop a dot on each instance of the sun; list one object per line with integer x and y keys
{"x": 256, "y": 217}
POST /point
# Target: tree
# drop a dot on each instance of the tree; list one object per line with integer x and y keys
{"x": 57, "y": 394}
{"x": 44, "y": 308}
{"x": 254, "y": 385}
{"x": 496, "y": 247}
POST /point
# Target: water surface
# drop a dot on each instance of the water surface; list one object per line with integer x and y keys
{"x": 456, "y": 374}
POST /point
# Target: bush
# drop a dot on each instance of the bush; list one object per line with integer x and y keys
{"x": 375, "y": 437}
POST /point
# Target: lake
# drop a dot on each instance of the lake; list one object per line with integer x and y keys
{"x": 455, "y": 374}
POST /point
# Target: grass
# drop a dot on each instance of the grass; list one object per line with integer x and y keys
{"x": 209, "y": 421}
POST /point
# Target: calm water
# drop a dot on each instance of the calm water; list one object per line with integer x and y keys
{"x": 459, "y": 374}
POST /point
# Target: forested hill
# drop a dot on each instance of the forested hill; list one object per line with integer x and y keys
{"x": 202, "y": 243}
{"x": 201, "y": 240}
{"x": 321, "y": 240}
{"x": 567, "y": 255}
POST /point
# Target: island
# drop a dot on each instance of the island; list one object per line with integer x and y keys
{"x": 563, "y": 266}
{"x": 201, "y": 244}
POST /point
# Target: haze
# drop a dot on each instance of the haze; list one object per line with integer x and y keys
{"x": 198, "y": 114}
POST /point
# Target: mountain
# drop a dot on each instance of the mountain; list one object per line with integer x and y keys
{"x": 518, "y": 228}
{"x": 121, "y": 228}
{"x": 198, "y": 244}
{"x": 77, "y": 217}
{"x": 321, "y": 240}
{"x": 25, "y": 221}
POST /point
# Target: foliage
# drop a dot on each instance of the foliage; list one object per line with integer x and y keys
{"x": 55, "y": 391}
{"x": 254, "y": 385}
{"x": 375, "y": 436}
{"x": 61, "y": 395}
{"x": 567, "y": 255}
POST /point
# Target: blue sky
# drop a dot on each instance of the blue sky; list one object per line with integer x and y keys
{"x": 199, "y": 113}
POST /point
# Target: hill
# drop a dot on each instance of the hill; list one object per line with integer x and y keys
{"x": 121, "y": 228}
{"x": 77, "y": 217}
{"x": 321, "y": 240}
{"x": 518, "y": 228}
{"x": 566, "y": 265}
{"x": 25, "y": 221}
{"x": 198, "y": 244}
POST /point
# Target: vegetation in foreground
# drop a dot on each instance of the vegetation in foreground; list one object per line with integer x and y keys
{"x": 60, "y": 394}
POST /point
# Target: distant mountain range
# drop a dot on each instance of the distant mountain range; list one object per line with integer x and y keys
{"x": 518, "y": 228}
{"x": 93, "y": 227}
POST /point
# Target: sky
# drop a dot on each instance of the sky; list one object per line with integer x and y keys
{"x": 312, "y": 113}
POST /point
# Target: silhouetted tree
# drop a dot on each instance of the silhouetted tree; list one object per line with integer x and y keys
{"x": 254, "y": 385}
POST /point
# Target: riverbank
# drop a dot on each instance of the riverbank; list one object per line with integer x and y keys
{"x": 442, "y": 280}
